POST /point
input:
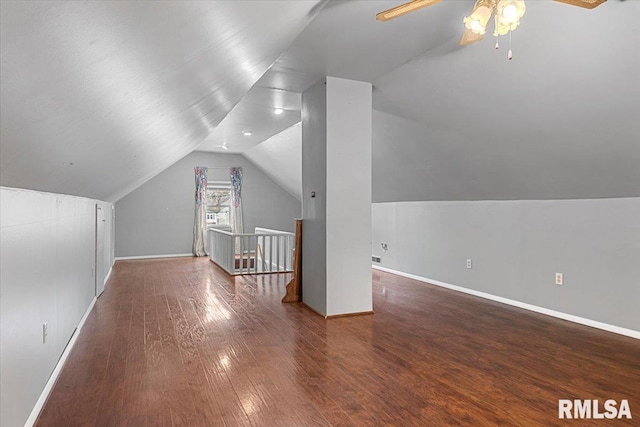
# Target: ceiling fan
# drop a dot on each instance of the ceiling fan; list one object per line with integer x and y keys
{"x": 506, "y": 13}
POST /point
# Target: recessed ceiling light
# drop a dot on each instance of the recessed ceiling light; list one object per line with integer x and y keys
{"x": 247, "y": 132}
{"x": 278, "y": 110}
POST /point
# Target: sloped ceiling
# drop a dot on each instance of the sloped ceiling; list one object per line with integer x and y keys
{"x": 255, "y": 113}
{"x": 280, "y": 157}
{"x": 344, "y": 40}
{"x": 558, "y": 121}
{"x": 124, "y": 89}
{"x": 98, "y": 97}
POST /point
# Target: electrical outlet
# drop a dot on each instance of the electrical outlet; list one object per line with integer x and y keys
{"x": 376, "y": 259}
{"x": 559, "y": 279}
{"x": 45, "y": 331}
{"x": 468, "y": 262}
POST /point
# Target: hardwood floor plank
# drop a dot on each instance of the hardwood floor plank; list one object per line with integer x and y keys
{"x": 178, "y": 342}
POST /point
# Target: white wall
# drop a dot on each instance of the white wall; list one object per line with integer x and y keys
{"x": 46, "y": 275}
{"x": 516, "y": 248}
{"x": 336, "y": 166}
{"x": 348, "y": 195}
{"x": 314, "y": 224}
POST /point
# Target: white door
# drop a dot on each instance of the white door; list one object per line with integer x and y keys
{"x": 99, "y": 259}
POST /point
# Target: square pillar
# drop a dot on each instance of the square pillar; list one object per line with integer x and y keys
{"x": 336, "y": 197}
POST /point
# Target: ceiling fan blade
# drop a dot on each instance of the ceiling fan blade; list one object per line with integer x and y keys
{"x": 587, "y": 4}
{"x": 469, "y": 37}
{"x": 404, "y": 9}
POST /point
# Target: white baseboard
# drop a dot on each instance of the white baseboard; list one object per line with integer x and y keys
{"x": 570, "y": 317}
{"x": 124, "y": 258}
{"x": 56, "y": 371}
{"x": 106, "y": 278}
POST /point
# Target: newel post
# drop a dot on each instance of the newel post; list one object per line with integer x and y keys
{"x": 294, "y": 287}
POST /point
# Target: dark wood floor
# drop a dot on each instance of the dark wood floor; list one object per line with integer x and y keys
{"x": 178, "y": 342}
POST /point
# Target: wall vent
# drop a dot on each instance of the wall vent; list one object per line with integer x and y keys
{"x": 376, "y": 259}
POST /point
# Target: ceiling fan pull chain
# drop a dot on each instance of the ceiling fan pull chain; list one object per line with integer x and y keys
{"x": 510, "y": 54}
{"x": 496, "y": 31}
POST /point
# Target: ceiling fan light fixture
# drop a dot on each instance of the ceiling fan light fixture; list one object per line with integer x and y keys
{"x": 477, "y": 21}
{"x": 501, "y": 29}
{"x": 506, "y": 14}
{"x": 509, "y": 12}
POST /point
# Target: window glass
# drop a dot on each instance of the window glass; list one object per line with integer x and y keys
{"x": 218, "y": 204}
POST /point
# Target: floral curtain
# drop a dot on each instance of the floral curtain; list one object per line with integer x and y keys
{"x": 200, "y": 218}
{"x": 236, "y": 199}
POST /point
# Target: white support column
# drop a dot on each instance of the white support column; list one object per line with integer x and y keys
{"x": 336, "y": 202}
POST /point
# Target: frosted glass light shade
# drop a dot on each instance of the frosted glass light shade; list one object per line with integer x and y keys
{"x": 477, "y": 21}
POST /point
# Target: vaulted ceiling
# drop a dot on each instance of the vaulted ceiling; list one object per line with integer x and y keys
{"x": 97, "y": 97}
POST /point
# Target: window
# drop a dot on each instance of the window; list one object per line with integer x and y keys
{"x": 218, "y": 213}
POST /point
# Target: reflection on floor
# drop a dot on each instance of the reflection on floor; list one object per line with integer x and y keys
{"x": 178, "y": 342}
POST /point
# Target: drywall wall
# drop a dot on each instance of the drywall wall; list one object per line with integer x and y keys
{"x": 314, "y": 215}
{"x": 516, "y": 247}
{"x": 46, "y": 275}
{"x": 157, "y": 217}
{"x": 348, "y": 194}
{"x": 336, "y": 199}
{"x": 415, "y": 162}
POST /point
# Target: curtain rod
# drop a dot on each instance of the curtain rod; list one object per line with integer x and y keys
{"x": 220, "y": 167}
